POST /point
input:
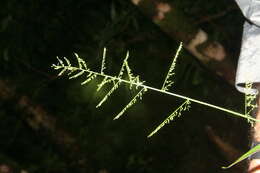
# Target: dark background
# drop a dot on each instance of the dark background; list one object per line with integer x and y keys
{"x": 34, "y": 32}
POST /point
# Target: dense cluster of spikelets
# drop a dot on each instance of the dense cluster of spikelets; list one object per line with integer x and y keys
{"x": 250, "y": 102}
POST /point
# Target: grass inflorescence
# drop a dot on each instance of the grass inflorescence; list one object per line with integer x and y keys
{"x": 134, "y": 81}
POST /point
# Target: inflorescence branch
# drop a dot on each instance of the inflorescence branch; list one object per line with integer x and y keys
{"x": 64, "y": 65}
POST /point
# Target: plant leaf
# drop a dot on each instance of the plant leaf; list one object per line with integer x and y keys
{"x": 243, "y": 157}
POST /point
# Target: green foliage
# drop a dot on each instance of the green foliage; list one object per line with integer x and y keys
{"x": 250, "y": 106}
{"x": 132, "y": 80}
{"x": 244, "y": 156}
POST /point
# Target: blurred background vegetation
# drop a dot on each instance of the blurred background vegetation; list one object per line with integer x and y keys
{"x": 34, "y": 32}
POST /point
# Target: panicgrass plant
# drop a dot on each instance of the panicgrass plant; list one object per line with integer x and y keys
{"x": 134, "y": 82}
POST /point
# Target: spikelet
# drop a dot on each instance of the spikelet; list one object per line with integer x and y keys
{"x": 176, "y": 113}
{"x": 168, "y": 82}
{"x": 108, "y": 94}
{"x": 131, "y": 103}
{"x": 90, "y": 77}
{"x": 121, "y": 72}
{"x": 103, "y": 64}
{"x": 250, "y": 102}
{"x": 81, "y": 63}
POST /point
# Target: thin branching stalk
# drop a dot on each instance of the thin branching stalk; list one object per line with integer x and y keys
{"x": 64, "y": 65}
{"x": 168, "y": 82}
{"x": 108, "y": 94}
{"x": 131, "y": 103}
{"x": 177, "y": 113}
{"x": 103, "y": 64}
{"x": 159, "y": 90}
